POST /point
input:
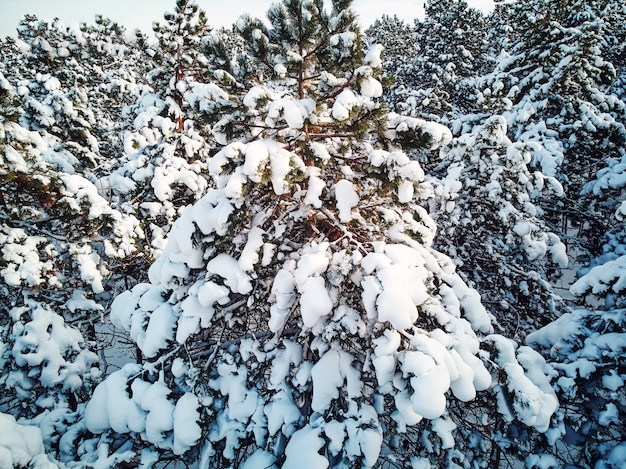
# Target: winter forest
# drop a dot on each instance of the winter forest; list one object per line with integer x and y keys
{"x": 295, "y": 243}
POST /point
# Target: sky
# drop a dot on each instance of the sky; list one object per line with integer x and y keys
{"x": 141, "y": 13}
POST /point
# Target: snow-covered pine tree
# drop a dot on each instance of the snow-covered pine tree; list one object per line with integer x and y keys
{"x": 557, "y": 87}
{"x": 52, "y": 78}
{"x": 115, "y": 77}
{"x": 178, "y": 56}
{"x": 553, "y": 85}
{"x": 298, "y": 315}
{"x": 61, "y": 245}
{"x": 556, "y": 96}
{"x": 584, "y": 350}
{"x": 452, "y": 45}
{"x": 165, "y": 145}
{"x": 400, "y": 44}
{"x": 615, "y": 48}
{"x": 490, "y": 225}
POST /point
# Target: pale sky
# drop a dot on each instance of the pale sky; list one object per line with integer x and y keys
{"x": 141, "y": 13}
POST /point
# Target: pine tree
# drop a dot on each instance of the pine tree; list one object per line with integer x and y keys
{"x": 54, "y": 79}
{"x": 114, "y": 79}
{"x": 490, "y": 225}
{"x": 557, "y": 87}
{"x": 555, "y": 90}
{"x": 451, "y": 42}
{"x": 299, "y": 314}
{"x": 400, "y": 46}
{"x": 177, "y": 57}
{"x": 59, "y": 241}
{"x": 165, "y": 143}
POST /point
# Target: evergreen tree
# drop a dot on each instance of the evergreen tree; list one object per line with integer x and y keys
{"x": 490, "y": 225}
{"x": 178, "y": 56}
{"x": 61, "y": 246}
{"x": 451, "y": 48}
{"x": 165, "y": 143}
{"x": 557, "y": 92}
{"x": 400, "y": 46}
{"x": 52, "y": 82}
{"x": 303, "y": 307}
{"x": 115, "y": 78}
{"x": 299, "y": 311}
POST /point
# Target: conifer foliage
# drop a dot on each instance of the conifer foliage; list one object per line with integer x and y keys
{"x": 298, "y": 309}
{"x": 302, "y": 267}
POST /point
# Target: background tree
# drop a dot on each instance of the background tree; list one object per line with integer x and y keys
{"x": 400, "y": 47}
{"x": 451, "y": 41}
{"x": 490, "y": 225}
{"x": 165, "y": 144}
{"x": 61, "y": 244}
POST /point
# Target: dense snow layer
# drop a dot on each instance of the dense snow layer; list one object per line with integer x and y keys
{"x": 534, "y": 400}
{"x": 610, "y": 276}
{"x": 48, "y": 350}
{"x": 146, "y": 410}
{"x": 21, "y": 445}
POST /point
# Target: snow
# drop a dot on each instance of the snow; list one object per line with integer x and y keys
{"x": 403, "y": 290}
{"x": 159, "y": 332}
{"x": 617, "y": 456}
{"x": 23, "y": 264}
{"x": 16, "y": 159}
{"x": 347, "y": 198}
{"x": 463, "y": 385}
{"x": 313, "y": 262}
{"x": 256, "y": 95}
{"x": 397, "y": 307}
{"x": 191, "y": 314}
{"x": 210, "y": 293}
{"x": 542, "y": 461}
{"x": 88, "y": 263}
{"x": 364, "y": 436}
{"x": 608, "y": 276}
{"x": 293, "y": 112}
{"x": 385, "y": 348}
{"x": 327, "y": 379}
{"x": 50, "y": 348}
{"x": 613, "y": 381}
{"x": 610, "y": 415}
{"x": 79, "y": 301}
{"x": 343, "y": 105}
{"x": 345, "y": 39}
{"x": 187, "y": 432}
{"x": 436, "y": 135}
{"x": 111, "y": 407}
{"x": 260, "y": 458}
{"x": 262, "y": 156}
{"x": 315, "y": 187}
{"x": 533, "y": 399}
{"x": 370, "y": 87}
{"x": 19, "y": 444}
{"x": 160, "y": 417}
{"x": 235, "y": 277}
{"x": 429, "y": 382}
{"x": 244, "y": 246}
{"x": 51, "y": 84}
{"x": 283, "y": 293}
{"x": 373, "y": 56}
{"x": 302, "y": 451}
{"x": 282, "y": 413}
{"x": 315, "y": 301}
{"x": 444, "y": 428}
{"x": 250, "y": 255}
